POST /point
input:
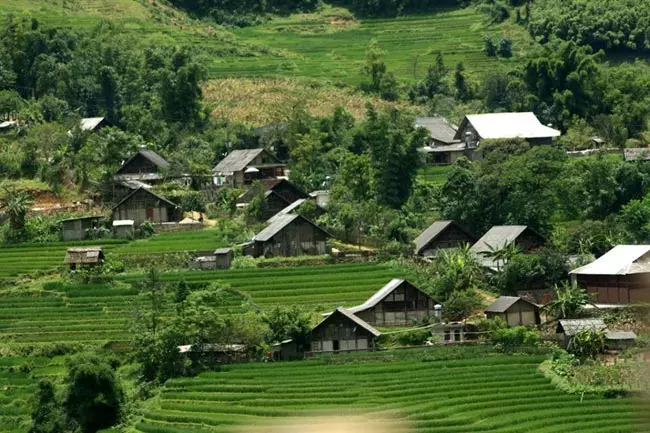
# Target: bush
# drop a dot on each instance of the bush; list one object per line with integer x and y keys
{"x": 490, "y": 49}
{"x": 244, "y": 262}
{"x": 415, "y": 337}
{"x": 505, "y": 48}
{"x": 512, "y": 338}
{"x": 147, "y": 229}
{"x": 496, "y": 11}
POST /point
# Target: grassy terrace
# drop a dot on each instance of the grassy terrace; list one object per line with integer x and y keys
{"x": 100, "y": 313}
{"x": 504, "y": 394}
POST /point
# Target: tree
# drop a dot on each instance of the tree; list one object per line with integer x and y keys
{"x": 15, "y": 203}
{"x": 93, "y": 397}
{"x": 490, "y": 49}
{"x": 47, "y": 416}
{"x": 257, "y": 207}
{"x": 461, "y": 305}
{"x": 460, "y": 83}
{"x": 458, "y": 270}
{"x": 587, "y": 343}
{"x": 375, "y": 67}
{"x": 567, "y": 301}
{"x": 289, "y": 322}
{"x": 505, "y": 48}
{"x": 152, "y": 291}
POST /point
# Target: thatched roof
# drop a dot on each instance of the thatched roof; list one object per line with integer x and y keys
{"x": 85, "y": 255}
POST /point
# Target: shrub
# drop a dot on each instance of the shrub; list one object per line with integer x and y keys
{"x": 415, "y": 337}
{"x": 587, "y": 343}
{"x": 147, "y": 229}
{"x": 244, "y": 262}
{"x": 505, "y": 48}
{"x": 490, "y": 49}
{"x": 512, "y": 338}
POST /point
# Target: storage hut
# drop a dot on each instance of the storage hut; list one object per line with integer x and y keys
{"x": 322, "y": 197}
{"x": 397, "y": 303}
{"x": 499, "y": 237}
{"x": 143, "y": 205}
{"x": 84, "y": 257}
{"x": 455, "y": 332}
{"x": 74, "y": 229}
{"x": 515, "y": 311}
{"x": 289, "y": 235}
{"x": 243, "y": 166}
{"x": 619, "y": 340}
{"x": 342, "y": 331}
{"x": 620, "y": 276}
{"x": 123, "y": 229}
{"x": 567, "y": 328}
{"x": 223, "y": 258}
{"x": 442, "y": 235}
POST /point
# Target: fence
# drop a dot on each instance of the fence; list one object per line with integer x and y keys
{"x": 177, "y": 227}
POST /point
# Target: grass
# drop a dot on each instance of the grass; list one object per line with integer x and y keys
{"x": 435, "y": 396}
{"x": 436, "y": 175}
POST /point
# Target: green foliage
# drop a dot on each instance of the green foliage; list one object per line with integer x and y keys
{"x": 615, "y": 26}
{"x": 93, "y": 398}
{"x": 47, "y": 416}
{"x": 256, "y": 208}
{"x": 496, "y": 10}
{"x": 458, "y": 270}
{"x": 587, "y": 343}
{"x": 490, "y": 48}
{"x": 15, "y": 203}
{"x": 414, "y": 337}
{"x": 505, "y": 48}
{"x": 461, "y": 305}
{"x": 289, "y": 322}
{"x": 567, "y": 301}
{"x": 146, "y": 229}
{"x": 512, "y": 338}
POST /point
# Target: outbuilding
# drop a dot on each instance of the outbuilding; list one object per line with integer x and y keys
{"x": 76, "y": 229}
{"x": 220, "y": 259}
{"x": 567, "y": 328}
{"x": 397, "y": 303}
{"x": 442, "y": 235}
{"x": 123, "y": 229}
{"x": 515, "y": 311}
{"x": 289, "y": 235}
{"x": 342, "y": 331}
{"x": 144, "y": 205}
{"x": 84, "y": 257}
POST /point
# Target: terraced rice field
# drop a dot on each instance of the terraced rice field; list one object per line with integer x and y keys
{"x": 99, "y": 313}
{"x": 20, "y": 259}
{"x": 488, "y": 394}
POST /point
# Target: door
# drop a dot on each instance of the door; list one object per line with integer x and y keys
{"x": 150, "y": 213}
{"x": 336, "y": 346}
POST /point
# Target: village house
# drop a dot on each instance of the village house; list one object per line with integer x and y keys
{"x": 499, "y": 237}
{"x": 442, "y": 235}
{"x": 289, "y": 191}
{"x": 141, "y": 170}
{"x": 620, "y": 276}
{"x": 342, "y": 331}
{"x": 566, "y": 329}
{"x": 443, "y": 147}
{"x": 76, "y": 229}
{"x": 289, "y": 235}
{"x": 84, "y": 257}
{"x": 242, "y": 167}
{"x": 397, "y": 303}
{"x": 143, "y": 205}
{"x": 293, "y": 208}
{"x": 477, "y": 127}
{"x": 515, "y": 311}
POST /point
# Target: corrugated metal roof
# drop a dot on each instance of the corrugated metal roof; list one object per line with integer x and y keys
{"x": 219, "y": 251}
{"x": 495, "y": 239}
{"x": 289, "y": 209}
{"x": 507, "y": 125}
{"x": 275, "y": 227}
{"x": 458, "y": 147}
{"x": 438, "y": 127}
{"x": 129, "y": 195}
{"x": 237, "y": 160}
{"x": 502, "y": 303}
{"x": 365, "y": 325}
{"x": 89, "y": 217}
{"x": 156, "y": 159}
{"x": 620, "y": 335}
{"x": 571, "y": 326}
{"x": 90, "y": 123}
{"x": 123, "y": 223}
{"x": 152, "y": 157}
{"x": 430, "y": 233}
{"x": 620, "y": 260}
{"x": 379, "y": 295}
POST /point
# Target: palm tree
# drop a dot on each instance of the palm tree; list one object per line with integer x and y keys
{"x": 15, "y": 204}
{"x": 568, "y": 300}
{"x": 501, "y": 255}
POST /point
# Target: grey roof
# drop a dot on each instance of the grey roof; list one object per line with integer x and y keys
{"x": 89, "y": 217}
{"x": 237, "y": 160}
{"x": 84, "y": 255}
{"x": 507, "y": 125}
{"x": 620, "y": 260}
{"x": 620, "y": 335}
{"x": 276, "y": 225}
{"x": 90, "y": 123}
{"x": 353, "y": 318}
{"x": 571, "y": 326}
{"x": 152, "y": 156}
{"x": 219, "y": 251}
{"x": 380, "y": 294}
{"x": 439, "y": 129}
{"x": 502, "y": 303}
{"x": 457, "y": 147}
{"x": 132, "y": 183}
{"x": 432, "y": 232}
{"x": 123, "y": 223}
{"x": 148, "y": 191}
{"x": 496, "y": 238}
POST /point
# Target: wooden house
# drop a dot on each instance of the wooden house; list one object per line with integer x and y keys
{"x": 499, "y": 237}
{"x": 123, "y": 229}
{"x": 342, "y": 331}
{"x": 515, "y": 311}
{"x": 283, "y": 188}
{"x": 620, "y": 276}
{"x": 289, "y": 235}
{"x": 477, "y": 127}
{"x": 243, "y": 166}
{"x": 442, "y": 235}
{"x": 84, "y": 257}
{"x": 397, "y": 303}
{"x": 143, "y": 168}
{"x": 75, "y": 229}
{"x": 443, "y": 147}
{"x": 294, "y": 207}
{"x": 143, "y": 205}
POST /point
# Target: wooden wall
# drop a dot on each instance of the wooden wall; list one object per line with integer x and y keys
{"x": 341, "y": 331}
{"x": 298, "y": 238}
{"x": 403, "y": 306}
{"x": 142, "y": 207}
{"x": 521, "y": 313}
{"x": 617, "y": 289}
{"x": 451, "y": 237}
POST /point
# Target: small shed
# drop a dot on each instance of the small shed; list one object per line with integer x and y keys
{"x": 74, "y": 229}
{"x": 123, "y": 229}
{"x": 84, "y": 257}
{"x": 567, "y": 328}
{"x": 286, "y": 350}
{"x": 515, "y": 311}
{"x": 619, "y": 340}
{"x": 223, "y": 257}
{"x": 442, "y": 235}
{"x": 455, "y": 332}
{"x": 289, "y": 235}
{"x": 144, "y": 205}
{"x": 342, "y": 331}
